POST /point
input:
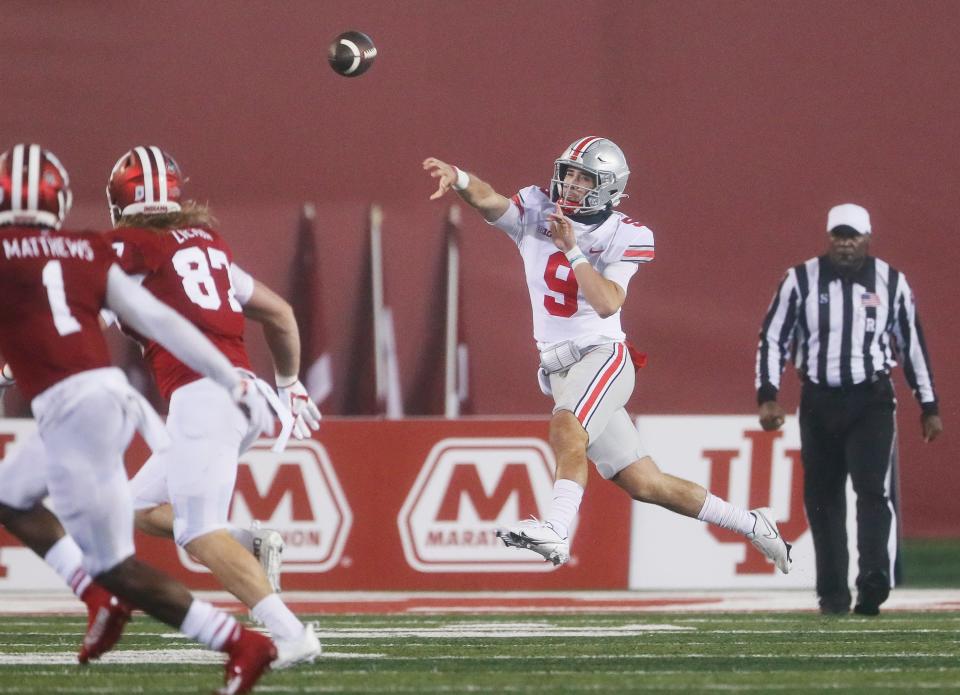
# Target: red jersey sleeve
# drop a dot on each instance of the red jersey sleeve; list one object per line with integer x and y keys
{"x": 138, "y": 251}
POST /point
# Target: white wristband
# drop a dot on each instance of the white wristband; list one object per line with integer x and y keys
{"x": 575, "y": 257}
{"x": 284, "y": 382}
{"x": 463, "y": 179}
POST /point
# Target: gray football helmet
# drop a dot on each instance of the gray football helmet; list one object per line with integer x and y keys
{"x": 603, "y": 159}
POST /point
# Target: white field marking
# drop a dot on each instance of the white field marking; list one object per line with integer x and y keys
{"x": 147, "y": 656}
{"x": 16, "y": 601}
{"x": 72, "y": 690}
{"x": 109, "y": 690}
{"x": 494, "y": 630}
{"x": 618, "y": 657}
{"x": 203, "y": 656}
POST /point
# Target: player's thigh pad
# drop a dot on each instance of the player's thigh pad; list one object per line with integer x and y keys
{"x": 85, "y": 440}
{"x": 201, "y": 465}
{"x": 595, "y": 387}
{"x": 617, "y": 447}
{"x": 149, "y": 486}
{"x": 23, "y": 474}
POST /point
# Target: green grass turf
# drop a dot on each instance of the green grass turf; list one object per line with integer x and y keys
{"x": 762, "y": 652}
{"x": 931, "y": 562}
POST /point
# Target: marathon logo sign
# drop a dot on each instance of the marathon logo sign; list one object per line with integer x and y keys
{"x": 296, "y": 493}
{"x": 466, "y": 489}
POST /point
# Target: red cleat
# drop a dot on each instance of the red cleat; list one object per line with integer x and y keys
{"x": 107, "y": 616}
{"x": 250, "y": 654}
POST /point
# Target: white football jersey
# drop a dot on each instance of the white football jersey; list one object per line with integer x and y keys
{"x": 560, "y": 311}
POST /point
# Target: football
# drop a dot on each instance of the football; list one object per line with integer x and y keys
{"x": 352, "y": 53}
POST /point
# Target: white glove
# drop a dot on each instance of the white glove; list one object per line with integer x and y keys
{"x": 296, "y": 399}
{"x": 6, "y": 377}
{"x": 248, "y": 397}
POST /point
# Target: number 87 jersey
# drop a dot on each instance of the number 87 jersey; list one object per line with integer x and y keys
{"x": 614, "y": 245}
{"x": 192, "y": 271}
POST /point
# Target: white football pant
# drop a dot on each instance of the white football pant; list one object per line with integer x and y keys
{"x": 197, "y": 473}
{"x": 596, "y": 390}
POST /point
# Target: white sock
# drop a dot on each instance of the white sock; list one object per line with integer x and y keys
{"x": 242, "y": 536}
{"x": 66, "y": 558}
{"x": 279, "y": 619}
{"x": 566, "y": 502}
{"x": 209, "y": 626}
{"x": 725, "y": 515}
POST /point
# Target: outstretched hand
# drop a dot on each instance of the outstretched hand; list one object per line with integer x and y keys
{"x": 445, "y": 174}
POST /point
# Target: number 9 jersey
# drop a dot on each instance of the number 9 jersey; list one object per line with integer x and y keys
{"x": 192, "y": 271}
{"x": 614, "y": 246}
{"x": 53, "y": 285}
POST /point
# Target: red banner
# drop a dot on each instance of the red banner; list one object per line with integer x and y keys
{"x": 413, "y": 505}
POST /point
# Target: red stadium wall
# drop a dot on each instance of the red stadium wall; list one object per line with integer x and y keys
{"x": 743, "y": 123}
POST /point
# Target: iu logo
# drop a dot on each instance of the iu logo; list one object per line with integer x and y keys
{"x": 465, "y": 490}
{"x": 6, "y": 539}
{"x": 759, "y": 494}
{"x": 297, "y": 493}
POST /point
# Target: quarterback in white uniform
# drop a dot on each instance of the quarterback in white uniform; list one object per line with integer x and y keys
{"x": 579, "y": 255}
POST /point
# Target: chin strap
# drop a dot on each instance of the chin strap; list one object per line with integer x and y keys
{"x": 591, "y": 217}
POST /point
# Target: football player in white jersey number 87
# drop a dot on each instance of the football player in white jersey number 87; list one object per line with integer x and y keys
{"x": 579, "y": 255}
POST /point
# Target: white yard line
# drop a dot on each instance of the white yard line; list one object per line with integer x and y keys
{"x": 146, "y": 656}
{"x": 439, "y": 603}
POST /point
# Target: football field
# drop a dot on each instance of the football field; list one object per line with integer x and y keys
{"x": 428, "y": 648}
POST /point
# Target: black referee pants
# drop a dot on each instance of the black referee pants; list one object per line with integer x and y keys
{"x": 849, "y": 432}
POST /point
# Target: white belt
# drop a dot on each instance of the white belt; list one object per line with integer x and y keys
{"x": 559, "y": 357}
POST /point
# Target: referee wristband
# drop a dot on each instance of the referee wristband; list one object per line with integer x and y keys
{"x": 463, "y": 180}
{"x": 575, "y": 257}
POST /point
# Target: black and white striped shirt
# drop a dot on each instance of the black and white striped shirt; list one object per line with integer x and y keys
{"x": 842, "y": 331}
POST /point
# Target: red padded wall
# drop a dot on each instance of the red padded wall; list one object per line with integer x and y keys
{"x": 743, "y": 123}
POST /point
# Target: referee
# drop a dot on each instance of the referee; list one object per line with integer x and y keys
{"x": 845, "y": 318}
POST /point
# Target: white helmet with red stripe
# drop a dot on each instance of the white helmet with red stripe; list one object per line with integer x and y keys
{"x": 144, "y": 181}
{"x": 601, "y": 158}
{"x": 34, "y": 187}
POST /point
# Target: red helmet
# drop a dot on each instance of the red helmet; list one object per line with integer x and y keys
{"x": 136, "y": 186}
{"x": 34, "y": 187}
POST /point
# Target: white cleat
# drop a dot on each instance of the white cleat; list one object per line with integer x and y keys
{"x": 302, "y": 650}
{"x": 767, "y": 539}
{"x": 539, "y": 537}
{"x": 268, "y": 548}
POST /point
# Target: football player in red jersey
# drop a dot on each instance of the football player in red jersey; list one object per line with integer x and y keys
{"x": 184, "y": 492}
{"x": 53, "y": 285}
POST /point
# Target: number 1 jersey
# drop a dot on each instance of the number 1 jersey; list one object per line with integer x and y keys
{"x": 614, "y": 247}
{"x": 53, "y": 285}
{"x": 192, "y": 271}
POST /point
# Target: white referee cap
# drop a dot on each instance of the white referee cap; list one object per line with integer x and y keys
{"x": 849, "y": 215}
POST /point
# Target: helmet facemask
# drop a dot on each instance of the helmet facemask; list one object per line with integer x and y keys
{"x": 574, "y": 198}
{"x": 605, "y": 162}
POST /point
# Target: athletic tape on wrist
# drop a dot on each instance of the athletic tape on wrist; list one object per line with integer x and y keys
{"x": 285, "y": 382}
{"x": 575, "y": 257}
{"x": 463, "y": 179}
